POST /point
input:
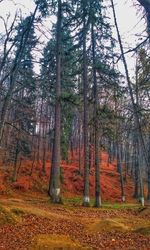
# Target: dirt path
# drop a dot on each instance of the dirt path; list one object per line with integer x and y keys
{"x": 42, "y": 225}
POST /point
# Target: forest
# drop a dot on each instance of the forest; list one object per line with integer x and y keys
{"x": 74, "y": 126}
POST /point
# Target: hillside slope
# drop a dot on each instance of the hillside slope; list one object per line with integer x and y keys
{"x": 72, "y": 182}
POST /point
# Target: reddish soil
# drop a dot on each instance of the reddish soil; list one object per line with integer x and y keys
{"x": 72, "y": 181}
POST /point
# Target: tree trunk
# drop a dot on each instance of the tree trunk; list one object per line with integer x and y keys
{"x": 135, "y": 109}
{"x": 119, "y": 166}
{"x": 96, "y": 127}
{"x": 80, "y": 144}
{"x": 148, "y": 174}
{"x": 39, "y": 133}
{"x": 86, "y": 198}
{"x": 14, "y": 177}
{"x": 55, "y": 170}
{"x": 140, "y": 173}
{"x": 136, "y": 171}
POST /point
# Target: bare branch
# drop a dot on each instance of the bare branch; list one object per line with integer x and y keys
{"x": 134, "y": 49}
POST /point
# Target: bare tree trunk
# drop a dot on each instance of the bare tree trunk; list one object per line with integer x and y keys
{"x": 135, "y": 109}
{"x": 14, "y": 177}
{"x": 96, "y": 127}
{"x": 140, "y": 173}
{"x": 44, "y": 147}
{"x": 39, "y": 133}
{"x": 55, "y": 170}
{"x": 86, "y": 197}
{"x": 119, "y": 166}
{"x": 90, "y": 148}
{"x": 148, "y": 193}
{"x": 79, "y": 131}
{"x": 33, "y": 163}
{"x": 44, "y": 141}
{"x": 136, "y": 171}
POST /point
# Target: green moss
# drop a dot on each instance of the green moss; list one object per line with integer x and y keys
{"x": 107, "y": 225}
{"x": 118, "y": 206}
{"x": 105, "y": 205}
{"x": 7, "y": 217}
{"x": 143, "y": 230}
{"x": 73, "y": 200}
{"x": 55, "y": 242}
{"x": 18, "y": 211}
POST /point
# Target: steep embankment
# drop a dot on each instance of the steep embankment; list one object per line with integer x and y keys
{"x": 72, "y": 182}
{"x": 110, "y": 181}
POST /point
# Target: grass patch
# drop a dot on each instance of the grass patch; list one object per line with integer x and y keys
{"x": 143, "y": 230}
{"x": 18, "y": 211}
{"x": 120, "y": 206}
{"x": 7, "y": 217}
{"x": 105, "y": 205}
{"x": 72, "y": 200}
{"x": 55, "y": 242}
{"x": 108, "y": 225}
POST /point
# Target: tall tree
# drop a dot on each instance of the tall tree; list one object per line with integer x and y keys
{"x": 135, "y": 110}
{"x": 54, "y": 190}
{"x": 86, "y": 199}
{"x": 14, "y": 69}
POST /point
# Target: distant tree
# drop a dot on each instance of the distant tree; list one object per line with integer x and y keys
{"x": 13, "y": 72}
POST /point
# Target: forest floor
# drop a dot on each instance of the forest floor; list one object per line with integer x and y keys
{"x": 28, "y": 221}
{"x": 34, "y": 223}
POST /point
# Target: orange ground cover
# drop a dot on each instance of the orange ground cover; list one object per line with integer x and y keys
{"x": 72, "y": 181}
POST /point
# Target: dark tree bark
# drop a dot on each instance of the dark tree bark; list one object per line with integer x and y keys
{"x": 55, "y": 169}
{"x": 148, "y": 194}
{"x": 96, "y": 127}
{"x": 39, "y": 133}
{"x": 80, "y": 145}
{"x": 119, "y": 167}
{"x": 86, "y": 198}
{"x": 136, "y": 170}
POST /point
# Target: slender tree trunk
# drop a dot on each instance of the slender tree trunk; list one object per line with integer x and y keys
{"x": 127, "y": 160}
{"x": 39, "y": 134}
{"x": 79, "y": 131}
{"x": 45, "y": 125}
{"x": 119, "y": 166}
{"x": 86, "y": 197}
{"x": 136, "y": 171}
{"x": 142, "y": 200}
{"x": 14, "y": 177}
{"x": 33, "y": 163}
{"x": 135, "y": 109}
{"x": 90, "y": 149}
{"x": 44, "y": 147}
{"x": 148, "y": 193}
{"x": 55, "y": 170}
{"x": 96, "y": 127}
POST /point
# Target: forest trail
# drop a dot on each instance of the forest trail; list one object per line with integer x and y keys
{"x": 38, "y": 224}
